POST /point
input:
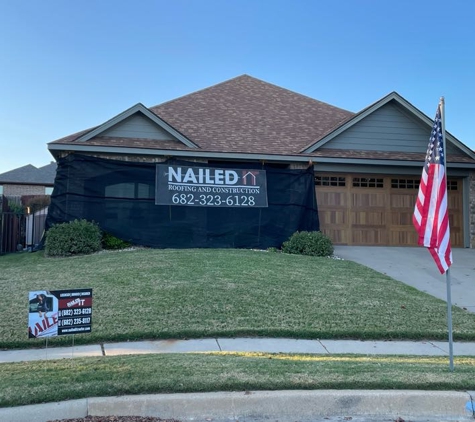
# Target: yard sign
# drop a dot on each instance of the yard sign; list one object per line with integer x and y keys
{"x": 59, "y": 312}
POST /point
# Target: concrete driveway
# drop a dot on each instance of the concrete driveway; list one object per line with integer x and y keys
{"x": 415, "y": 267}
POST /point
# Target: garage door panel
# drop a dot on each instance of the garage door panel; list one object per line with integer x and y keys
{"x": 369, "y": 236}
{"x": 368, "y": 219}
{"x": 401, "y": 218}
{"x": 402, "y": 237}
{"x": 455, "y": 221}
{"x": 334, "y": 199}
{"x": 366, "y": 200}
{"x": 406, "y": 200}
{"x": 456, "y": 237}
{"x": 332, "y": 217}
{"x": 339, "y": 236}
{"x": 378, "y": 210}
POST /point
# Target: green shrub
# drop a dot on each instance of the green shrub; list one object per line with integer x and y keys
{"x": 308, "y": 243}
{"x": 73, "y": 238}
{"x": 17, "y": 209}
{"x": 109, "y": 241}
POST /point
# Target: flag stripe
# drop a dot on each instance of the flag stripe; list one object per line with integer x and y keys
{"x": 431, "y": 217}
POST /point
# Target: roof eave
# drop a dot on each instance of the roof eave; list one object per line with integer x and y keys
{"x": 300, "y": 158}
{"x": 53, "y": 148}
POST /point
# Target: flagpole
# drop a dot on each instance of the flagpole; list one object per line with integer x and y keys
{"x": 447, "y": 273}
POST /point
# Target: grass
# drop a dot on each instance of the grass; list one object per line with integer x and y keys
{"x": 38, "y": 382}
{"x": 152, "y": 294}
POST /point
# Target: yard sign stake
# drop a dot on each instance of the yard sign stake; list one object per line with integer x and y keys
{"x": 431, "y": 215}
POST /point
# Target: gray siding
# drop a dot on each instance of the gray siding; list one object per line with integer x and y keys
{"x": 386, "y": 129}
{"x": 138, "y": 126}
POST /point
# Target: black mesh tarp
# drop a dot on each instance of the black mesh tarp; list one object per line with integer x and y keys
{"x": 120, "y": 197}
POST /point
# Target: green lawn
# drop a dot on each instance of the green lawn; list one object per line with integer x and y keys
{"x": 47, "y": 381}
{"x": 152, "y": 294}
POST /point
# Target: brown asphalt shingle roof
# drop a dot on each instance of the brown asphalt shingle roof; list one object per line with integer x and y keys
{"x": 248, "y": 115}
{"x": 242, "y": 115}
{"x": 138, "y": 143}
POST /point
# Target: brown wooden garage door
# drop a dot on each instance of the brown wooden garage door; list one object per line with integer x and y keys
{"x": 377, "y": 210}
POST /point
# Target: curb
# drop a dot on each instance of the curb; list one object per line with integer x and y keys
{"x": 284, "y": 406}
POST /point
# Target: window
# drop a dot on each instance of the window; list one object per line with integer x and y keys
{"x": 452, "y": 185}
{"x": 130, "y": 190}
{"x": 1, "y": 190}
{"x": 367, "y": 182}
{"x": 414, "y": 184}
{"x": 330, "y": 181}
{"x": 48, "y": 191}
{"x": 405, "y": 183}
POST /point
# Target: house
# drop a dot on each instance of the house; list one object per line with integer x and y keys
{"x": 366, "y": 165}
{"x": 28, "y": 180}
{"x": 24, "y": 190}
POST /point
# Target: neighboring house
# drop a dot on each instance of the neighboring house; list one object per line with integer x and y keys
{"x": 28, "y": 180}
{"x": 27, "y": 186}
{"x": 367, "y": 165}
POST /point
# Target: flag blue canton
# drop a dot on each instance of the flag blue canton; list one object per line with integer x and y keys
{"x": 435, "y": 151}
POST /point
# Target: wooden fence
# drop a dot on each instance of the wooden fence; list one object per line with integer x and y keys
{"x": 19, "y": 231}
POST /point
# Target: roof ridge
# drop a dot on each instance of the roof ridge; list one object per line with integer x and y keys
{"x": 201, "y": 90}
{"x": 243, "y": 76}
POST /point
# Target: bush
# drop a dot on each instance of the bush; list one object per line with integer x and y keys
{"x": 35, "y": 202}
{"x": 308, "y": 243}
{"x": 73, "y": 238}
{"x": 109, "y": 241}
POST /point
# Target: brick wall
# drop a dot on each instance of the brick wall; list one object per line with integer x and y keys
{"x": 19, "y": 190}
{"x": 300, "y": 165}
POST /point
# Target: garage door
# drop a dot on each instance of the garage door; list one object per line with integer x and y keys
{"x": 377, "y": 210}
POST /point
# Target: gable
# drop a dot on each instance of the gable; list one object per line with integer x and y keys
{"x": 136, "y": 120}
{"x": 389, "y": 128}
{"x": 138, "y": 126}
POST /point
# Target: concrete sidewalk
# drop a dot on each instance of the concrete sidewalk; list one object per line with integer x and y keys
{"x": 317, "y": 405}
{"x": 265, "y": 345}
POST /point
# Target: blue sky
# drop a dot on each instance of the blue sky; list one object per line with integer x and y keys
{"x": 66, "y": 66}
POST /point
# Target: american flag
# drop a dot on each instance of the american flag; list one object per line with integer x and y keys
{"x": 431, "y": 216}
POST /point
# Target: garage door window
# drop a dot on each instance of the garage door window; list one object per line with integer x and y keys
{"x": 367, "y": 182}
{"x": 405, "y": 183}
{"x": 452, "y": 185}
{"x": 330, "y": 181}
